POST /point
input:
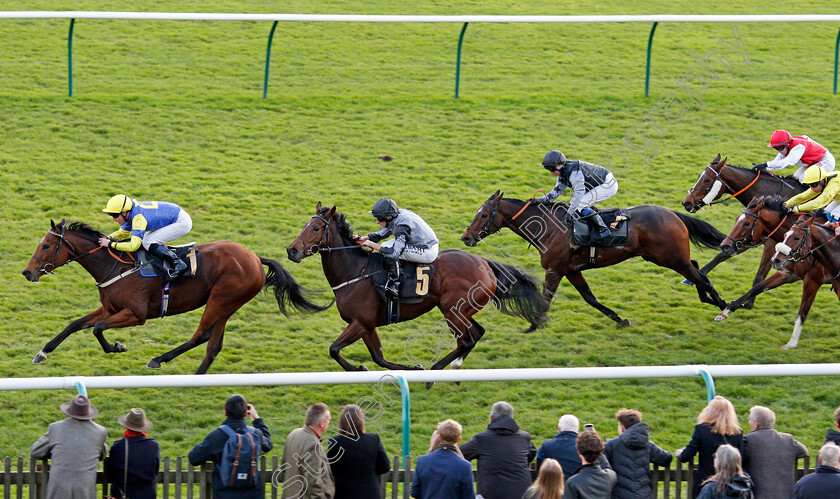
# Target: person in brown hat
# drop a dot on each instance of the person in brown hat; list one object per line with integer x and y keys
{"x": 134, "y": 461}
{"x": 74, "y": 447}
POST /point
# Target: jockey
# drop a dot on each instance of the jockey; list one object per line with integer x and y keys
{"x": 824, "y": 193}
{"x": 590, "y": 184}
{"x": 413, "y": 240}
{"x": 801, "y": 151}
{"x": 148, "y": 223}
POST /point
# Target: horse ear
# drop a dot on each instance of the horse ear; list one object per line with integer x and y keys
{"x": 318, "y": 207}
{"x": 331, "y": 212}
{"x": 717, "y": 159}
{"x": 723, "y": 162}
{"x": 496, "y": 194}
{"x": 52, "y": 224}
{"x": 811, "y": 219}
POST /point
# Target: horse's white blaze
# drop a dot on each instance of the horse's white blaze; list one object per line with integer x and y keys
{"x": 713, "y": 192}
{"x": 797, "y": 330}
{"x": 740, "y": 218}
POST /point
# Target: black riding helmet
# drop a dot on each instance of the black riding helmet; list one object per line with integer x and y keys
{"x": 384, "y": 208}
{"x": 553, "y": 159}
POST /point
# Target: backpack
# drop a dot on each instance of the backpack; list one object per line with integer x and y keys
{"x": 238, "y": 467}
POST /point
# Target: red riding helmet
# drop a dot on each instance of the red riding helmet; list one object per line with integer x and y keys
{"x": 779, "y": 138}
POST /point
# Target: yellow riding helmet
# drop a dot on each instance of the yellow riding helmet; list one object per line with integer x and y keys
{"x": 118, "y": 204}
{"x": 813, "y": 175}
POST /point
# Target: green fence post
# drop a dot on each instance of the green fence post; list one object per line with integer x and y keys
{"x": 70, "y": 59}
{"x": 836, "y": 53}
{"x": 268, "y": 58}
{"x": 710, "y": 383}
{"x": 647, "y": 66}
{"x": 406, "y": 418}
{"x": 458, "y": 63}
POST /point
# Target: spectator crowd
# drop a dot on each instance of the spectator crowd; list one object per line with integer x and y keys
{"x": 758, "y": 464}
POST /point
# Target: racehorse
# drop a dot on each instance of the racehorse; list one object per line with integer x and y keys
{"x": 461, "y": 285}
{"x": 656, "y": 234}
{"x": 228, "y": 277}
{"x": 743, "y": 184}
{"x": 765, "y": 219}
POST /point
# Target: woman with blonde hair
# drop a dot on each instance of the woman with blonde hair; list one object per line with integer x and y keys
{"x": 716, "y": 425}
{"x": 729, "y": 480}
{"x": 549, "y": 484}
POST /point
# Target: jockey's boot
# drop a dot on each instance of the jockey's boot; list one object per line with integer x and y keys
{"x": 598, "y": 230}
{"x": 176, "y": 264}
{"x": 392, "y": 267}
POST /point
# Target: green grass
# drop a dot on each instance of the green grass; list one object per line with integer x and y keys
{"x": 174, "y": 111}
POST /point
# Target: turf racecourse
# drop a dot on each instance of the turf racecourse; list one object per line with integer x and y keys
{"x": 173, "y": 111}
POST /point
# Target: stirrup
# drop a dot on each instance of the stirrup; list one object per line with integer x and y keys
{"x": 178, "y": 270}
{"x": 391, "y": 289}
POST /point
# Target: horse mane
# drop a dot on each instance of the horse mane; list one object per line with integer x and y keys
{"x": 83, "y": 229}
{"x": 774, "y": 203}
{"x": 345, "y": 230}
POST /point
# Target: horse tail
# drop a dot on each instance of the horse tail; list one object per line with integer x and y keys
{"x": 287, "y": 291}
{"x": 519, "y": 294}
{"x": 700, "y": 232}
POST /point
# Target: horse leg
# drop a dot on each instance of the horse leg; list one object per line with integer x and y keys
{"x": 552, "y": 280}
{"x": 465, "y": 340}
{"x": 214, "y": 344}
{"x": 374, "y": 346}
{"x": 350, "y": 335}
{"x": 123, "y": 318}
{"x": 720, "y": 257}
{"x": 201, "y": 335}
{"x": 77, "y": 325}
{"x": 763, "y": 267}
{"x": 580, "y": 284}
{"x": 774, "y": 281}
{"x": 477, "y": 331}
{"x": 809, "y": 292}
{"x": 705, "y": 290}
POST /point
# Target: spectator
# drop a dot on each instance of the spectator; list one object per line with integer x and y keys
{"x": 503, "y": 452}
{"x": 549, "y": 484}
{"x": 729, "y": 479}
{"x": 591, "y": 481}
{"x": 833, "y": 435}
{"x": 770, "y": 456}
{"x": 74, "y": 447}
{"x": 442, "y": 473}
{"x": 211, "y": 448}
{"x": 356, "y": 458}
{"x": 306, "y": 471}
{"x": 630, "y": 456}
{"x": 562, "y": 447}
{"x": 134, "y": 461}
{"x": 824, "y": 482}
{"x": 716, "y": 425}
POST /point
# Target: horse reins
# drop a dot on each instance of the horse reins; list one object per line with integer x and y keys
{"x": 61, "y": 240}
{"x": 743, "y": 241}
{"x": 488, "y": 227}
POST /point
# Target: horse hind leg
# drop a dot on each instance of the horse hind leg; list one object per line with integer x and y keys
{"x": 202, "y": 335}
{"x": 705, "y": 290}
{"x": 214, "y": 344}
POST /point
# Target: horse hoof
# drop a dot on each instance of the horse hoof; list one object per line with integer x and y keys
{"x": 722, "y": 316}
{"x": 624, "y": 323}
{"x": 748, "y": 305}
{"x": 362, "y": 368}
{"x": 41, "y": 357}
{"x": 687, "y": 282}
{"x": 153, "y": 364}
{"x": 787, "y": 346}
{"x": 119, "y": 347}
{"x": 429, "y": 385}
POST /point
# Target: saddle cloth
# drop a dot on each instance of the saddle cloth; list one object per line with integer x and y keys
{"x": 415, "y": 279}
{"x": 152, "y": 266}
{"x": 617, "y": 219}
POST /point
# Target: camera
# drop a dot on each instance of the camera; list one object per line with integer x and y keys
{"x": 589, "y": 427}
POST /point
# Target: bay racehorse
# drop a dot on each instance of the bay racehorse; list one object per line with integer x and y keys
{"x": 461, "y": 285}
{"x": 228, "y": 277}
{"x": 656, "y": 234}
{"x": 765, "y": 219}
{"x": 718, "y": 179}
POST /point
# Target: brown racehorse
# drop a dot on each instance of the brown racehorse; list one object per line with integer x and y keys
{"x": 763, "y": 219}
{"x": 743, "y": 184}
{"x": 462, "y": 284}
{"x": 656, "y": 234}
{"x": 228, "y": 277}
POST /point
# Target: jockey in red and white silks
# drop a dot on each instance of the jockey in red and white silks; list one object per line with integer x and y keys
{"x": 801, "y": 151}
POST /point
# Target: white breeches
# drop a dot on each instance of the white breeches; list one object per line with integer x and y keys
{"x": 415, "y": 254}
{"x": 833, "y": 210}
{"x": 599, "y": 193}
{"x": 827, "y": 164}
{"x": 169, "y": 232}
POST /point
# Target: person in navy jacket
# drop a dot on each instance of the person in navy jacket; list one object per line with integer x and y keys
{"x": 142, "y": 461}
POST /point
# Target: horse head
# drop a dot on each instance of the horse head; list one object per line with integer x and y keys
{"x": 753, "y": 226}
{"x": 797, "y": 243}
{"x": 56, "y": 248}
{"x": 314, "y": 237}
{"x": 707, "y": 188}
{"x": 485, "y": 221}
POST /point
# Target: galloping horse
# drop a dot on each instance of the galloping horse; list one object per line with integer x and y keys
{"x": 765, "y": 219}
{"x": 227, "y": 278}
{"x": 462, "y": 284}
{"x": 656, "y": 234}
{"x": 743, "y": 184}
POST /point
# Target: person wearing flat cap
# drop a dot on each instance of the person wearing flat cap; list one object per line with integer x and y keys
{"x": 74, "y": 446}
{"x": 134, "y": 461}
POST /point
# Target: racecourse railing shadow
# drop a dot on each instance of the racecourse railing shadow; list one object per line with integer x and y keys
{"x": 178, "y": 479}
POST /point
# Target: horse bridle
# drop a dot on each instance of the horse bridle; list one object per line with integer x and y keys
{"x": 488, "y": 227}
{"x": 325, "y": 238}
{"x": 61, "y": 240}
{"x": 796, "y": 255}
{"x": 743, "y": 242}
